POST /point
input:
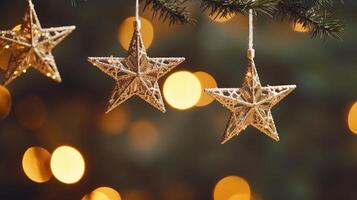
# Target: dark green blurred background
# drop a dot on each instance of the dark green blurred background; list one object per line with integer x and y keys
{"x": 315, "y": 160}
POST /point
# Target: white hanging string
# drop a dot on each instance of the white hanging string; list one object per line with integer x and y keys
{"x": 250, "y": 45}
{"x": 137, "y": 10}
{"x": 137, "y": 17}
{"x": 251, "y": 51}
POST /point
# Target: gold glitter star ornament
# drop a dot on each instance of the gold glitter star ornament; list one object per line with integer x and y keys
{"x": 31, "y": 46}
{"x": 251, "y": 104}
{"x": 136, "y": 74}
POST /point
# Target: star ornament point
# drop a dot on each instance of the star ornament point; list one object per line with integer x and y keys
{"x": 31, "y": 46}
{"x": 250, "y": 105}
{"x": 137, "y": 74}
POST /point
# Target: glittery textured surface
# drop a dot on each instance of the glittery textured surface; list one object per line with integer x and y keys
{"x": 136, "y": 74}
{"x": 251, "y": 104}
{"x": 30, "y": 46}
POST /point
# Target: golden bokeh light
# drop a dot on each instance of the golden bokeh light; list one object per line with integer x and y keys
{"x": 232, "y": 188}
{"x": 217, "y": 17}
{"x": 143, "y": 135}
{"x": 114, "y": 122}
{"x": 352, "y": 118}
{"x": 299, "y": 27}
{"x": 95, "y": 196}
{"x": 31, "y": 112}
{"x": 67, "y": 164}
{"x": 110, "y": 193}
{"x": 126, "y": 30}
{"x": 36, "y": 164}
{"x": 240, "y": 197}
{"x": 5, "y": 102}
{"x": 207, "y": 81}
{"x": 103, "y": 193}
{"x": 182, "y": 90}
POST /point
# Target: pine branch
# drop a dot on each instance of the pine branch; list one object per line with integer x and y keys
{"x": 172, "y": 10}
{"x": 229, "y": 7}
{"x": 313, "y": 14}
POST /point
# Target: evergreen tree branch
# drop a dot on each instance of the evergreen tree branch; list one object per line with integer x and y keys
{"x": 174, "y": 11}
{"x": 229, "y": 7}
{"x": 312, "y": 14}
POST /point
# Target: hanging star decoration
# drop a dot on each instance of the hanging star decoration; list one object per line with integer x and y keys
{"x": 31, "y": 45}
{"x": 136, "y": 74}
{"x": 251, "y": 104}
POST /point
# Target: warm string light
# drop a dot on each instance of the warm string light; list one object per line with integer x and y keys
{"x": 5, "y": 102}
{"x": 67, "y": 164}
{"x": 232, "y": 188}
{"x": 207, "y": 81}
{"x": 352, "y": 118}
{"x": 36, "y": 164}
{"x": 182, "y": 90}
{"x": 103, "y": 193}
{"x": 126, "y": 30}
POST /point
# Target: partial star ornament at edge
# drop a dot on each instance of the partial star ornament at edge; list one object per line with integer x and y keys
{"x": 30, "y": 45}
